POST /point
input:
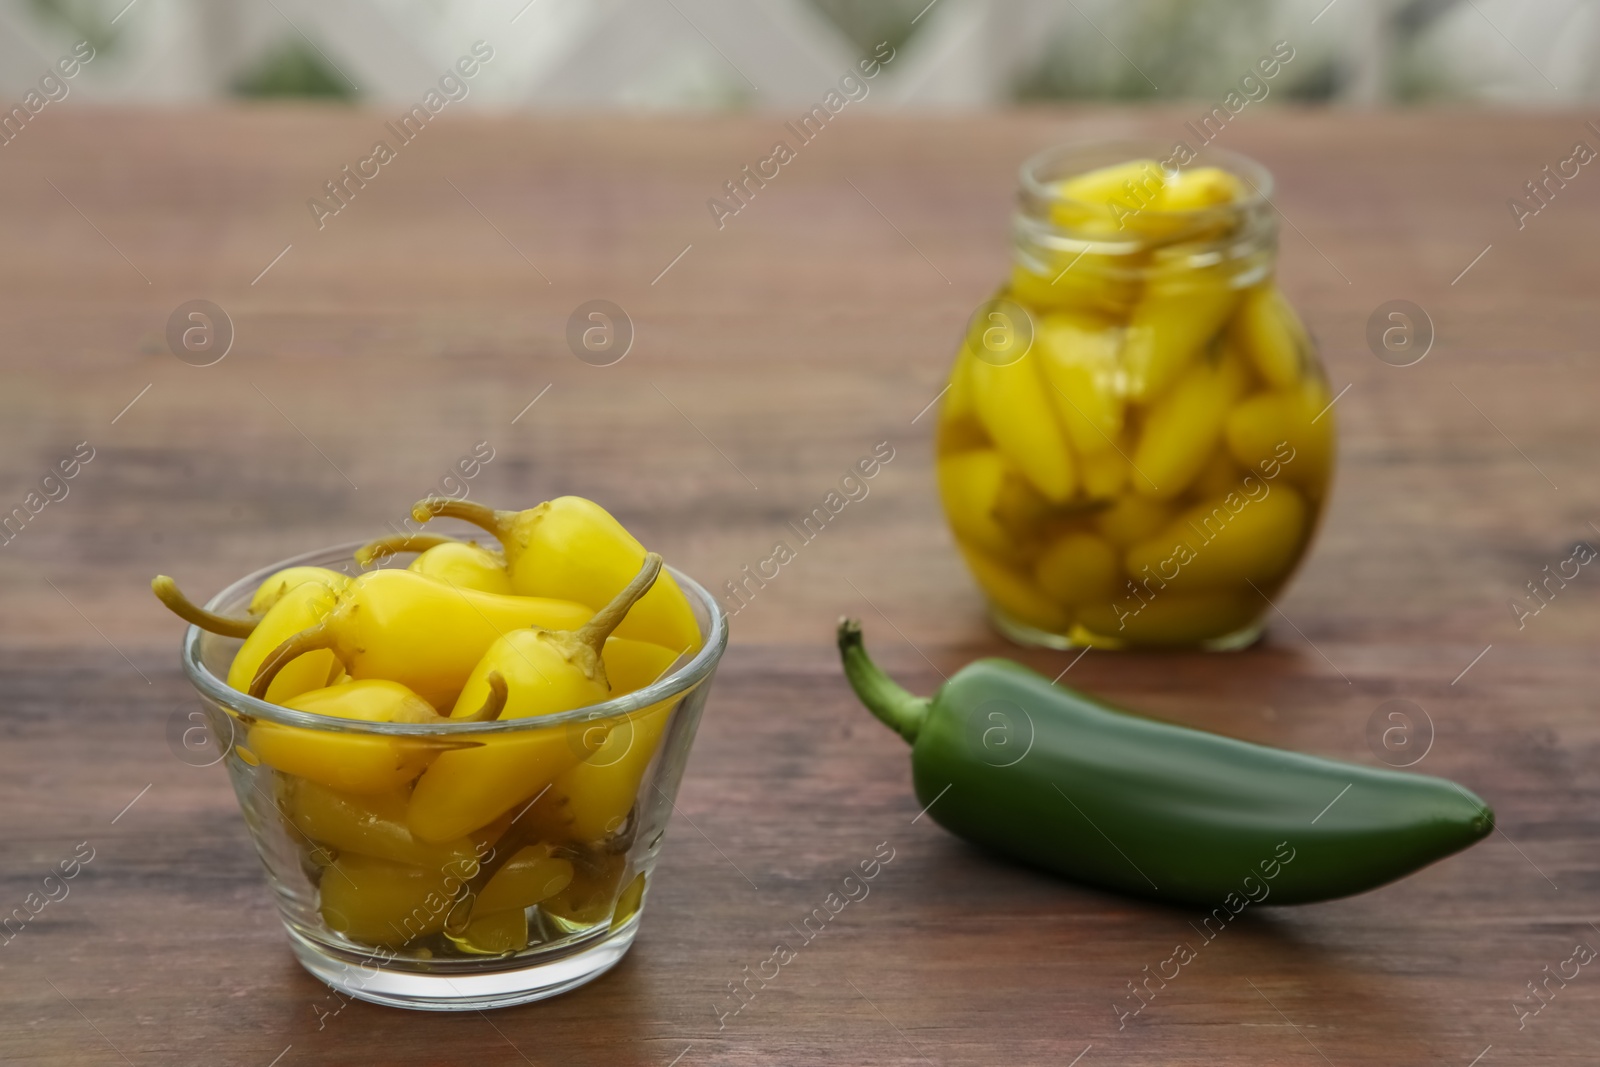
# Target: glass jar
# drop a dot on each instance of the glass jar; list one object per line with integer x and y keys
{"x": 1137, "y": 439}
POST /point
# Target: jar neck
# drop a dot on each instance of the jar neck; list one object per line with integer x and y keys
{"x": 1123, "y": 236}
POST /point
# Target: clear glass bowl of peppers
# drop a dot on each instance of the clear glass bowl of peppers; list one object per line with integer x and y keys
{"x": 457, "y": 760}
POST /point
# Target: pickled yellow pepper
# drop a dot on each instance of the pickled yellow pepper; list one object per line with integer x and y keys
{"x": 547, "y": 671}
{"x": 380, "y": 902}
{"x": 1013, "y": 407}
{"x": 373, "y": 551}
{"x": 1184, "y": 427}
{"x": 592, "y": 800}
{"x": 457, "y": 563}
{"x": 305, "y": 605}
{"x": 589, "y": 898}
{"x": 1079, "y": 357}
{"x": 498, "y": 922}
{"x": 1178, "y": 314}
{"x": 373, "y": 825}
{"x": 355, "y": 762}
{"x": 279, "y": 583}
{"x": 414, "y": 630}
{"x": 570, "y": 548}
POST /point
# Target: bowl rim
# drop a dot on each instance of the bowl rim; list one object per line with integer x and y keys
{"x": 216, "y": 690}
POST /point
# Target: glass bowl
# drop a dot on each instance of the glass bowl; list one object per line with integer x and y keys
{"x": 543, "y": 899}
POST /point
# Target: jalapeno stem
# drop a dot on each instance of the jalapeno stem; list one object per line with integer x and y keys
{"x": 408, "y": 542}
{"x": 481, "y": 515}
{"x": 899, "y": 710}
{"x": 594, "y": 632}
{"x": 166, "y": 591}
{"x": 310, "y": 639}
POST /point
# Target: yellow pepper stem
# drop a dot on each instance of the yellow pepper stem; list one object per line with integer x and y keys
{"x": 308, "y": 640}
{"x": 594, "y": 632}
{"x": 166, "y": 591}
{"x": 493, "y": 704}
{"x": 481, "y": 515}
{"x": 407, "y": 542}
{"x": 582, "y": 647}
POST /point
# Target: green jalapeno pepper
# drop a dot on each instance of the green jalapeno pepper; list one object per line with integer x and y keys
{"x": 1008, "y": 760}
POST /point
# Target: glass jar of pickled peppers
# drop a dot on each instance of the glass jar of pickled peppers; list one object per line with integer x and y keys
{"x": 1137, "y": 440}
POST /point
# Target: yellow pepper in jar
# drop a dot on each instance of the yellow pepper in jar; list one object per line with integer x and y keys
{"x": 1184, "y": 427}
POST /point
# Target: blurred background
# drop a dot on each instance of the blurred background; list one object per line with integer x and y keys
{"x": 741, "y": 54}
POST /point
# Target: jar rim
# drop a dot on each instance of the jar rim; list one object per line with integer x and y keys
{"x": 215, "y": 689}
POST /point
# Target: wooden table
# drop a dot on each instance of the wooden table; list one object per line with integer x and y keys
{"x": 769, "y": 355}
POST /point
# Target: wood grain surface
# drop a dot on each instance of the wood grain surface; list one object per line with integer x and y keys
{"x": 773, "y": 353}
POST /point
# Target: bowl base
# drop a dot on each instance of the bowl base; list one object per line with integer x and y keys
{"x": 400, "y": 983}
{"x": 1032, "y": 637}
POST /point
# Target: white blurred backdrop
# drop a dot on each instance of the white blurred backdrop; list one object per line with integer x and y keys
{"x": 740, "y": 54}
